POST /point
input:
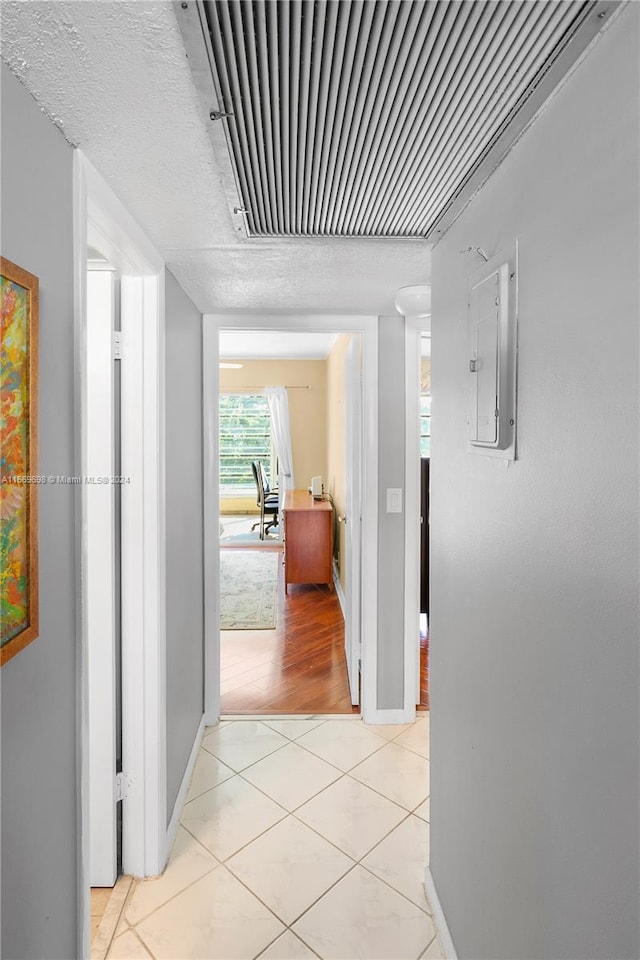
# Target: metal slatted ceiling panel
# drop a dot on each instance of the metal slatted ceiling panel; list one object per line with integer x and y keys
{"x": 365, "y": 118}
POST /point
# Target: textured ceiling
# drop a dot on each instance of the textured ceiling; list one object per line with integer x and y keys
{"x": 114, "y": 77}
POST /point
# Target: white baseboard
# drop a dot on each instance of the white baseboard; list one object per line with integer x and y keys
{"x": 407, "y": 715}
{"x": 172, "y": 829}
{"x": 342, "y": 600}
{"x": 438, "y": 917}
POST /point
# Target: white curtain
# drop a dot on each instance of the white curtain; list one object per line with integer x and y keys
{"x": 279, "y": 411}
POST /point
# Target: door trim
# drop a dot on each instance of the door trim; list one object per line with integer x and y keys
{"x": 353, "y": 510}
{"x": 100, "y": 217}
{"x": 367, "y": 326}
{"x": 99, "y": 579}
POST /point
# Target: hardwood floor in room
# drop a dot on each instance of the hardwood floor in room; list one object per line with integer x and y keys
{"x": 297, "y": 668}
{"x": 424, "y": 671}
{"x": 300, "y": 666}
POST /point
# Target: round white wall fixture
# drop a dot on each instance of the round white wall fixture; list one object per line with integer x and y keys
{"x": 414, "y": 301}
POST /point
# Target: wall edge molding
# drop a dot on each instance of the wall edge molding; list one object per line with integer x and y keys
{"x": 439, "y": 919}
{"x": 339, "y": 591}
{"x": 172, "y": 829}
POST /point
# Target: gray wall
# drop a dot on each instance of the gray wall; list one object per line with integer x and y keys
{"x": 391, "y": 473}
{"x": 185, "y": 576}
{"x": 534, "y": 654}
{"x": 39, "y": 684}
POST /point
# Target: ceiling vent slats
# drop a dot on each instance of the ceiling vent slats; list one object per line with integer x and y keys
{"x": 367, "y": 118}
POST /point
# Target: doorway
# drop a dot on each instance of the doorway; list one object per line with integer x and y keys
{"x": 286, "y": 416}
{"x": 366, "y": 327}
{"x": 103, "y": 224}
{"x": 418, "y": 469}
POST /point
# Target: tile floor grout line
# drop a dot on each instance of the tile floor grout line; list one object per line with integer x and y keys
{"x": 254, "y": 894}
{"x": 115, "y": 926}
{"x": 174, "y": 895}
{"x": 358, "y": 861}
{"x": 333, "y": 843}
{"x": 408, "y": 809}
{"x": 400, "y": 894}
{"x": 206, "y": 790}
{"x": 143, "y": 942}
{"x": 198, "y": 840}
{"x": 356, "y": 764}
{"x": 428, "y": 945}
{"x": 269, "y": 797}
{"x": 308, "y": 800}
{"x": 241, "y": 772}
{"x": 343, "y": 877}
{"x": 323, "y": 894}
{"x": 321, "y": 723}
{"x": 253, "y": 763}
{"x": 262, "y": 832}
{"x": 287, "y": 930}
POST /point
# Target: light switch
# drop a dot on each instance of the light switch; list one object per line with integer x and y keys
{"x": 394, "y": 500}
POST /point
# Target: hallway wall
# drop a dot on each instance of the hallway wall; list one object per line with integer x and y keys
{"x": 185, "y": 546}
{"x": 38, "y": 686}
{"x": 534, "y": 652}
{"x": 391, "y": 473}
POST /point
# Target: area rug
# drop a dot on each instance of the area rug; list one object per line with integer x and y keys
{"x": 248, "y": 585}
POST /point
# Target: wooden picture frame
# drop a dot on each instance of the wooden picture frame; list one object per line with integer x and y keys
{"x": 19, "y": 459}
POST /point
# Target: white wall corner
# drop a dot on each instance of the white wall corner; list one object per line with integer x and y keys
{"x": 439, "y": 919}
{"x": 172, "y": 829}
{"x": 339, "y": 591}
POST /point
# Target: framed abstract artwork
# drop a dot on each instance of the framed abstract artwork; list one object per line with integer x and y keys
{"x": 18, "y": 459}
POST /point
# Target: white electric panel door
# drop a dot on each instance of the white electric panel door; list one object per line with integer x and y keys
{"x": 492, "y": 354}
{"x": 485, "y": 360}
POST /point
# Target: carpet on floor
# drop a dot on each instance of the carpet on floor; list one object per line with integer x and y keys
{"x": 248, "y": 589}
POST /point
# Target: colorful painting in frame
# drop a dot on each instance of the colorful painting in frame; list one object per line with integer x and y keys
{"x": 18, "y": 459}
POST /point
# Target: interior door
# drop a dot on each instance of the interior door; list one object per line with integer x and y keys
{"x": 353, "y": 518}
{"x": 100, "y": 584}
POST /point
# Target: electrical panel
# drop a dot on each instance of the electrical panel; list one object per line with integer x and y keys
{"x": 492, "y": 354}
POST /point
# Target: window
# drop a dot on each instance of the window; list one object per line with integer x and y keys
{"x": 245, "y": 435}
{"x": 425, "y": 425}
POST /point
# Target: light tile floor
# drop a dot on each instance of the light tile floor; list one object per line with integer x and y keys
{"x": 300, "y": 838}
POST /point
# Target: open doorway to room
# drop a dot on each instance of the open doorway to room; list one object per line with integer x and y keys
{"x": 425, "y": 472}
{"x": 418, "y": 474}
{"x": 284, "y": 472}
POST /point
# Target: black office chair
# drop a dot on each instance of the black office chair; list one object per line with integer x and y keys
{"x": 268, "y": 500}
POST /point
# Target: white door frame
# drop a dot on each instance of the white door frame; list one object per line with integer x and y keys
{"x": 99, "y": 577}
{"x": 367, "y": 326}
{"x": 353, "y": 518}
{"x": 414, "y": 326}
{"x": 101, "y": 219}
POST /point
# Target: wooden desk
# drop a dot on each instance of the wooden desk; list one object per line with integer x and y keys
{"x": 308, "y": 539}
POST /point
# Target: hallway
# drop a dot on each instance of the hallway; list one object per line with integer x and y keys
{"x": 268, "y": 167}
{"x": 301, "y": 837}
